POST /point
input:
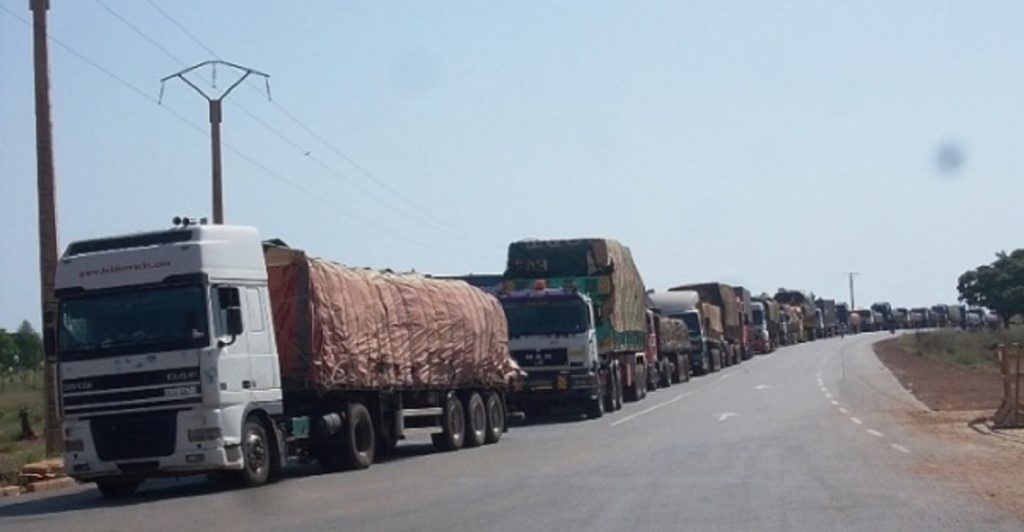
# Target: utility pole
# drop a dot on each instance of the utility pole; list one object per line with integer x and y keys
{"x": 47, "y": 221}
{"x": 853, "y": 305}
{"x": 215, "y": 119}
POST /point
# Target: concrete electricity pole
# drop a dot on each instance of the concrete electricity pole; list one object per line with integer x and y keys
{"x": 853, "y": 305}
{"x": 47, "y": 221}
{"x": 215, "y": 119}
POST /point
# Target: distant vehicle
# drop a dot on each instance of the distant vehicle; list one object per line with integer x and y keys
{"x": 920, "y": 317}
{"x": 993, "y": 320}
{"x": 703, "y": 323}
{"x": 829, "y": 316}
{"x": 724, "y": 297}
{"x": 902, "y": 317}
{"x": 975, "y": 318}
{"x": 764, "y": 340}
{"x": 869, "y": 320}
{"x": 672, "y": 350}
{"x": 886, "y": 312}
{"x": 772, "y": 324}
{"x": 957, "y": 316}
{"x": 940, "y": 315}
{"x": 746, "y": 306}
{"x": 843, "y": 317}
{"x": 805, "y": 302}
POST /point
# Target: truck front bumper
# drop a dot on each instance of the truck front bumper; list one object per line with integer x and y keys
{"x": 556, "y": 387}
{"x": 199, "y": 446}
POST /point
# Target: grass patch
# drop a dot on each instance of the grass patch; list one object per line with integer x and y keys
{"x": 17, "y": 391}
{"x": 972, "y": 349}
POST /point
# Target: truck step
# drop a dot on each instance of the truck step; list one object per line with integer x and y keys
{"x": 421, "y": 412}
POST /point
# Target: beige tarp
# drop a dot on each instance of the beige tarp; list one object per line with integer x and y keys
{"x": 341, "y": 327}
{"x": 673, "y": 336}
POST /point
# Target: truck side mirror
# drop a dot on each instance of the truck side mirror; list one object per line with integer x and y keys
{"x": 230, "y": 303}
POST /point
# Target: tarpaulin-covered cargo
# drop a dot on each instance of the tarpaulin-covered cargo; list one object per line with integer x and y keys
{"x": 772, "y": 314}
{"x": 724, "y": 297}
{"x": 599, "y": 267}
{"x": 358, "y": 329}
{"x": 712, "y": 320}
{"x": 803, "y": 300}
{"x": 673, "y": 336}
{"x": 828, "y": 312}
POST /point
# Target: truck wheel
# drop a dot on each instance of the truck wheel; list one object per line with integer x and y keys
{"x": 620, "y": 390}
{"x": 676, "y": 376}
{"x": 256, "y": 454}
{"x": 495, "y": 418}
{"x": 453, "y": 426}
{"x": 668, "y": 370}
{"x": 716, "y": 360}
{"x": 359, "y": 445}
{"x": 476, "y": 421}
{"x": 685, "y": 369}
{"x": 116, "y": 488}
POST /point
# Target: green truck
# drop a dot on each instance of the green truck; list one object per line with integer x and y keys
{"x": 603, "y": 269}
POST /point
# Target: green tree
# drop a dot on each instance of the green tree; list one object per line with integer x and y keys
{"x": 998, "y": 286}
{"x": 8, "y": 353}
{"x": 29, "y": 345}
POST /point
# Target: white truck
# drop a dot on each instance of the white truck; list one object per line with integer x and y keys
{"x": 553, "y": 339}
{"x": 202, "y": 349}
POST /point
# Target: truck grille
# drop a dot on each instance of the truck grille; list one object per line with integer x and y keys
{"x": 533, "y": 358}
{"x": 128, "y": 391}
{"x": 128, "y": 436}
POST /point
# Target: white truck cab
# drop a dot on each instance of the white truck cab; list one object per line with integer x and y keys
{"x": 156, "y": 370}
{"x": 552, "y": 337}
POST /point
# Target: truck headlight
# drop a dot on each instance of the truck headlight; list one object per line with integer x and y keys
{"x": 204, "y": 434}
{"x": 577, "y": 354}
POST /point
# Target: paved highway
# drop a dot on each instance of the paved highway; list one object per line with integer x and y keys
{"x": 803, "y": 439}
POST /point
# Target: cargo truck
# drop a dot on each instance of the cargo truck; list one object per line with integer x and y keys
{"x": 199, "y": 349}
{"x": 888, "y": 317}
{"x": 672, "y": 351}
{"x": 763, "y": 338}
{"x": 603, "y": 269}
{"x": 772, "y": 317}
{"x": 724, "y": 297}
{"x": 868, "y": 320}
{"x": 902, "y": 317}
{"x": 843, "y": 318}
{"x": 805, "y": 302}
{"x": 553, "y": 339}
{"x": 746, "y": 309}
{"x": 704, "y": 325}
{"x": 829, "y": 316}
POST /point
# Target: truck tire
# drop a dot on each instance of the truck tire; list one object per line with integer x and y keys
{"x": 716, "y": 359}
{"x": 685, "y": 369}
{"x": 256, "y": 453}
{"x": 668, "y": 370}
{"x": 359, "y": 445}
{"x": 116, "y": 488}
{"x": 453, "y": 426}
{"x": 495, "y": 417}
{"x": 476, "y": 421}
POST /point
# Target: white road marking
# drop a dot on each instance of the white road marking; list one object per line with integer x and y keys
{"x": 900, "y": 448}
{"x": 726, "y": 415}
{"x": 761, "y": 386}
{"x": 835, "y": 403}
{"x": 874, "y": 432}
{"x": 823, "y": 389}
{"x": 843, "y": 410}
{"x": 723, "y": 377}
{"x": 828, "y": 395}
{"x": 856, "y": 420}
{"x": 649, "y": 410}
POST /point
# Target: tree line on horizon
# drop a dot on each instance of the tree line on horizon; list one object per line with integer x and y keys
{"x": 998, "y": 286}
{"x": 21, "y": 350}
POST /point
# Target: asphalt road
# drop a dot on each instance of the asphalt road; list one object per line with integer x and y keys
{"x": 803, "y": 439}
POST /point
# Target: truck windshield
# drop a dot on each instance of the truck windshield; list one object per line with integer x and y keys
{"x": 758, "y": 316}
{"x": 692, "y": 320}
{"x": 133, "y": 321}
{"x": 546, "y": 317}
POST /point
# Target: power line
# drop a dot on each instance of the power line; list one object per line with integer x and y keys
{"x": 380, "y": 182}
{"x": 141, "y": 93}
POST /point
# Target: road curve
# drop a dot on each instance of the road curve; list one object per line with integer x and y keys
{"x": 803, "y": 439}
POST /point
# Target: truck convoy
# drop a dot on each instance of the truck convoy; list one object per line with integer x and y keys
{"x": 602, "y": 269}
{"x": 724, "y": 297}
{"x": 767, "y": 324}
{"x": 888, "y": 316}
{"x": 746, "y": 309}
{"x": 703, "y": 322}
{"x": 200, "y": 349}
{"x": 843, "y": 317}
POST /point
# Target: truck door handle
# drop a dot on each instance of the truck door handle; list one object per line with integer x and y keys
{"x": 247, "y": 384}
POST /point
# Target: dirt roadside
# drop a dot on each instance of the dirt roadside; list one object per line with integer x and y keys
{"x": 988, "y": 463}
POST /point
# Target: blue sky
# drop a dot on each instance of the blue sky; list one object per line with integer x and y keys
{"x": 760, "y": 143}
